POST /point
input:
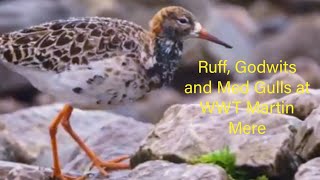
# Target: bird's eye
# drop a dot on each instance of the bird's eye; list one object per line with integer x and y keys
{"x": 183, "y": 20}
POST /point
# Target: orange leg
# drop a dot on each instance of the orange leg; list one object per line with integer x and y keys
{"x": 53, "y": 131}
{"x": 97, "y": 162}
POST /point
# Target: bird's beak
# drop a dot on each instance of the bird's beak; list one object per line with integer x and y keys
{"x": 202, "y": 33}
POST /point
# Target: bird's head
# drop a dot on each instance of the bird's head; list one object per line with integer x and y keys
{"x": 177, "y": 23}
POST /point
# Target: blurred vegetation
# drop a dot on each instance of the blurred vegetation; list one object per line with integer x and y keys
{"x": 227, "y": 160}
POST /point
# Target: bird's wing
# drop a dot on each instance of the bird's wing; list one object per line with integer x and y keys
{"x": 57, "y": 45}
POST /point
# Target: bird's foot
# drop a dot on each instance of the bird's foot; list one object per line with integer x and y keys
{"x": 115, "y": 164}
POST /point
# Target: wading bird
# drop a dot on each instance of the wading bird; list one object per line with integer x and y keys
{"x": 98, "y": 62}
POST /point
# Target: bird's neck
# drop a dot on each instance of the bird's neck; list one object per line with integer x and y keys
{"x": 167, "y": 53}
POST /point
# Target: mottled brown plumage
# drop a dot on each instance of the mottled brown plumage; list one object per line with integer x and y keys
{"x": 99, "y": 62}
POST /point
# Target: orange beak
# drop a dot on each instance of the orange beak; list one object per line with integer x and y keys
{"x": 203, "y": 34}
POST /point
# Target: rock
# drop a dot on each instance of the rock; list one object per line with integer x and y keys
{"x": 185, "y": 133}
{"x": 308, "y": 69}
{"x": 15, "y": 171}
{"x": 242, "y": 3}
{"x": 303, "y": 104}
{"x": 235, "y": 26}
{"x": 158, "y": 170}
{"x": 253, "y": 96}
{"x": 116, "y": 138}
{"x": 308, "y": 137}
{"x": 268, "y": 15}
{"x": 23, "y": 127}
{"x": 11, "y": 82}
{"x": 309, "y": 171}
{"x": 9, "y": 104}
{"x": 300, "y": 38}
{"x": 298, "y": 6}
{"x": 19, "y": 14}
{"x": 292, "y": 79}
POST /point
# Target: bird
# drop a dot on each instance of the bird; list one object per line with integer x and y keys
{"x": 100, "y": 63}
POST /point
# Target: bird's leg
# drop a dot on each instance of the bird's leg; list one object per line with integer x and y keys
{"x": 103, "y": 166}
{"x": 65, "y": 113}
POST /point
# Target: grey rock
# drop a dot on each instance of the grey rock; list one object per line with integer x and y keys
{"x": 308, "y": 69}
{"x": 17, "y": 14}
{"x": 308, "y": 137}
{"x": 235, "y": 26}
{"x": 116, "y": 138}
{"x": 298, "y": 6}
{"x": 11, "y": 81}
{"x": 15, "y": 171}
{"x": 309, "y": 171}
{"x": 159, "y": 170}
{"x": 27, "y": 130}
{"x": 185, "y": 133}
{"x": 253, "y": 96}
{"x": 300, "y": 38}
{"x": 304, "y": 104}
